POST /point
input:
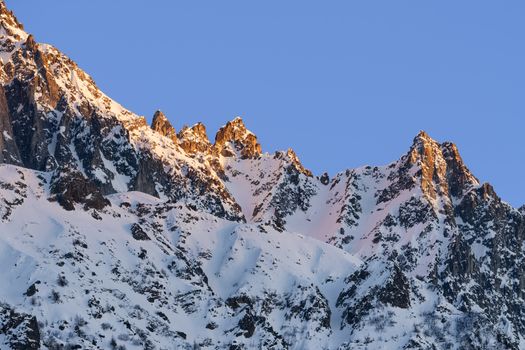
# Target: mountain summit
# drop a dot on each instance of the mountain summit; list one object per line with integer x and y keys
{"x": 234, "y": 137}
{"x": 162, "y": 125}
{"x": 442, "y": 168}
{"x": 118, "y": 234}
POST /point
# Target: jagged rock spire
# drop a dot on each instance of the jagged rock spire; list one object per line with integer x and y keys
{"x": 195, "y": 139}
{"x": 9, "y": 24}
{"x": 294, "y": 159}
{"x": 8, "y": 16}
{"x": 424, "y": 153}
{"x": 234, "y": 137}
{"x": 441, "y": 166}
{"x": 30, "y": 43}
{"x": 162, "y": 125}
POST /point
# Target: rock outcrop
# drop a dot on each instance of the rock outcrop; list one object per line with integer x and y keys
{"x": 234, "y": 139}
{"x": 442, "y": 170}
{"x": 21, "y": 331}
{"x": 177, "y": 243}
{"x": 195, "y": 139}
{"x": 162, "y": 125}
{"x": 8, "y": 147}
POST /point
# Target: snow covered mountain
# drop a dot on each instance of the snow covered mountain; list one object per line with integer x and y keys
{"x": 115, "y": 234}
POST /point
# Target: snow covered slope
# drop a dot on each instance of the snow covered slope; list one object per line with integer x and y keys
{"x": 154, "y": 274}
{"x": 115, "y": 234}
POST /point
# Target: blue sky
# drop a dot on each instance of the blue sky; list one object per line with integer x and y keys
{"x": 344, "y": 83}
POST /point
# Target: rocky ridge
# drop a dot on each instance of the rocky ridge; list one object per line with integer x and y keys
{"x": 117, "y": 233}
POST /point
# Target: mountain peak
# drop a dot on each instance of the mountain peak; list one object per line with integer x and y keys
{"x": 234, "y": 138}
{"x": 159, "y": 114}
{"x": 422, "y": 134}
{"x": 297, "y": 163}
{"x": 195, "y": 139}
{"x": 162, "y": 125}
{"x": 9, "y": 24}
{"x": 424, "y": 150}
{"x": 5, "y": 13}
{"x": 237, "y": 120}
{"x": 357, "y": 252}
{"x": 423, "y": 140}
{"x": 441, "y": 166}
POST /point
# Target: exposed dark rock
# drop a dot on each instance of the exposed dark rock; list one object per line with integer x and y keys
{"x": 248, "y": 324}
{"x": 8, "y": 149}
{"x": 458, "y": 176}
{"x": 71, "y": 188}
{"x": 211, "y": 326}
{"x": 292, "y": 194}
{"x": 396, "y": 292}
{"x": 434, "y": 230}
{"x": 138, "y": 233}
{"x": 21, "y": 330}
{"x": 181, "y": 334}
{"x": 237, "y": 301}
{"x": 309, "y": 305}
{"x": 291, "y": 157}
{"x": 32, "y": 290}
{"x": 325, "y": 179}
{"x": 147, "y": 171}
{"x": 414, "y": 212}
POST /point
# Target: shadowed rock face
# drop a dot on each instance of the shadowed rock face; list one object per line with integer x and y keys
{"x": 74, "y": 188}
{"x": 8, "y": 147}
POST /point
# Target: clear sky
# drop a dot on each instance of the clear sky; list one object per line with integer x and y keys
{"x": 344, "y": 82}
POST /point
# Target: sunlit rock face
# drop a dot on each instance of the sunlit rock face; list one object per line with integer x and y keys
{"x": 162, "y": 125}
{"x": 116, "y": 233}
{"x": 441, "y": 168}
{"x": 195, "y": 140}
{"x": 234, "y": 138}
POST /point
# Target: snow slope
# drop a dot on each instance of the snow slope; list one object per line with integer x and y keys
{"x": 115, "y": 234}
